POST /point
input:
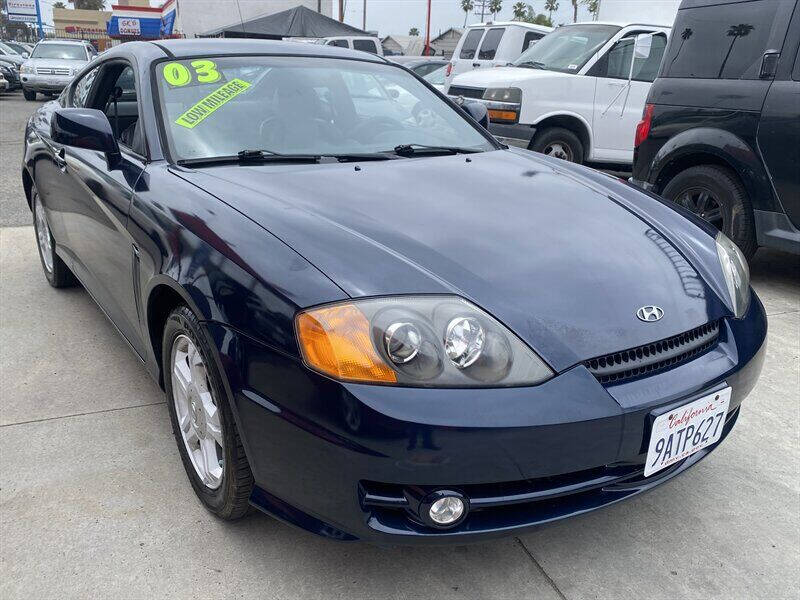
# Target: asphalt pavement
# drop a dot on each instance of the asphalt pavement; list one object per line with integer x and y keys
{"x": 94, "y": 501}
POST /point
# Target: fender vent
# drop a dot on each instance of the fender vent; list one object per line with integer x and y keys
{"x": 656, "y": 356}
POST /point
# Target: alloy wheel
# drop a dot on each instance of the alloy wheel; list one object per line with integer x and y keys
{"x": 197, "y": 412}
{"x": 558, "y": 150}
{"x": 43, "y": 237}
{"x": 704, "y": 203}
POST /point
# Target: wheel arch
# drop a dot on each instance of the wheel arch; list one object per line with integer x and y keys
{"x": 27, "y": 185}
{"x": 572, "y": 121}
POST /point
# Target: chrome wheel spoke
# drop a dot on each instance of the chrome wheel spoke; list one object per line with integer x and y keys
{"x": 43, "y": 238}
{"x": 211, "y": 413}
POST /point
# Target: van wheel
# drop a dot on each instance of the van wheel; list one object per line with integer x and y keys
{"x": 558, "y": 143}
{"x": 716, "y": 195}
{"x": 29, "y": 94}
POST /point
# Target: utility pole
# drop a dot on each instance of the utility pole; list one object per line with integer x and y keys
{"x": 427, "y": 31}
{"x": 364, "y": 19}
{"x": 341, "y": 11}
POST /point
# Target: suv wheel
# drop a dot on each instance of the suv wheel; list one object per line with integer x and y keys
{"x": 29, "y": 94}
{"x": 558, "y": 143}
{"x": 716, "y": 195}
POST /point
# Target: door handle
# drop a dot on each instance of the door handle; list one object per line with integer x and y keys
{"x": 476, "y": 64}
{"x": 60, "y": 158}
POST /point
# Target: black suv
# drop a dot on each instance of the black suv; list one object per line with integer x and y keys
{"x": 720, "y": 134}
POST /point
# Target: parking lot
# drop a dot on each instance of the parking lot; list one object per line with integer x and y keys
{"x": 94, "y": 501}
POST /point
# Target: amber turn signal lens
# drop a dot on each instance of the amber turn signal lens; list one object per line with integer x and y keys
{"x": 502, "y": 115}
{"x": 336, "y": 341}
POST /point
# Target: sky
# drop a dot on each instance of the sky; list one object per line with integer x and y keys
{"x": 399, "y": 16}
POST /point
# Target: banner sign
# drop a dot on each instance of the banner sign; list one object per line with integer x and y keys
{"x": 142, "y": 22}
{"x": 21, "y": 11}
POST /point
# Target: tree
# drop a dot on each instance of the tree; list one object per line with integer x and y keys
{"x": 575, "y": 11}
{"x": 735, "y": 32}
{"x": 413, "y": 31}
{"x": 550, "y": 6}
{"x": 525, "y": 12}
{"x": 520, "y": 11}
{"x": 593, "y": 6}
{"x": 467, "y": 6}
{"x": 89, "y": 4}
{"x": 59, "y": 5}
{"x": 495, "y": 6}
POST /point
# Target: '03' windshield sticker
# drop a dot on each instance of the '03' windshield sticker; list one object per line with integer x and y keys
{"x": 178, "y": 74}
{"x": 213, "y": 102}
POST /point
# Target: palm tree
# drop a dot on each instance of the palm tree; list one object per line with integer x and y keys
{"x": 59, "y": 5}
{"x": 495, "y": 6}
{"x": 593, "y": 6}
{"x": 89, "y": 4}
{"x": 550, "y": 6}
{"x": 734, "y": 32}
{"x": 413, "y": 31}
{"x": 520, "y": 11}
{"x": 574, "y": 11}
{"x": 467, "y": 6}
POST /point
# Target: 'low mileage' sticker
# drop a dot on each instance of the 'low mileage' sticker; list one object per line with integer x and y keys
{"x": 213, "y": 102}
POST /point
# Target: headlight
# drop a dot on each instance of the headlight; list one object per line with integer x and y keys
{"x": 503, "y": 94}
{"x": 26, "y": 68}
{"x": 423, "y": 341}
{"x": 737, "y": 274}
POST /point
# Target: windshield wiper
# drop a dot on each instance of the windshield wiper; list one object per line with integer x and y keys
{"x": 248, "y": 156}
{"x": 356, "y": 156}
{"x": 418, "y": 149}
{"x": 531, "y": 64}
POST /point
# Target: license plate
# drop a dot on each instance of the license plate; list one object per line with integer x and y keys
{"x": 686, "y": 429}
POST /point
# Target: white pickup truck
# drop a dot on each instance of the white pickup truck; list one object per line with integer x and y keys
{"x": 577, "y": 94}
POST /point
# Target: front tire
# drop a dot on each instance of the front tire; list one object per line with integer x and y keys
{"x": 202, "y": 422}
{"x": 716, "y": 195}
{"x": 57, "y": 273}
{"x": 558, "y": 143}
{"x": 29, "y": 94}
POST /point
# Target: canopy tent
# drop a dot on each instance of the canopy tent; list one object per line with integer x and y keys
{"x": 299, "y": 21}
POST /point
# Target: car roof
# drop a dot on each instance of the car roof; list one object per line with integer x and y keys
{"x": 619, "y": 24}
{"x": 57, "y": 41}
{"x": 525, "y": 24}
{"x": 180, "y": 48}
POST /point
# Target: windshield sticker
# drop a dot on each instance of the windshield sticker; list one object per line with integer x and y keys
{"x": 214, "y": 101}
{"x": 177, "y": 74}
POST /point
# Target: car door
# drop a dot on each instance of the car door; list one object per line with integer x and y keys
{"x": 467, "y": 56}
{"x": 487, "y": 52}
{"x": 95, "y": 213}
{"x": 618, "y": 102}
{"x": 779, "y": 137}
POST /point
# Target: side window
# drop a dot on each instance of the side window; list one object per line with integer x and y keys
{"x": 490, "y": 43}
{"x": 471, "y": 44}
{"x": 365, "y": 46}
{"x": 531, "y": 38}
{"x": 647, "y": 69}
{"x": 338, "y": 43}
{"x": 714, "y": 43}
{"x": 80, "y": 93}
{"x": 616, "y": 64}
{"x": 118, "y": 83}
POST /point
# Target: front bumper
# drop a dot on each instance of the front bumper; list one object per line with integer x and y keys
{"x": 347, "y": 461}
{"x": 45, "y": 83}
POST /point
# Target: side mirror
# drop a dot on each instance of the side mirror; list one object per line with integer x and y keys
{"x": 642, "y": 45}
{"x": 85, "y": 128}
{"x": 393, "y": 93}
{"x": 478, "y": 111}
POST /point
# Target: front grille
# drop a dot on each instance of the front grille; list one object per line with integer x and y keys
{"x": 467, "y": 92}
{"x": 54, "y": 71}
{"x": 649, "y": 358}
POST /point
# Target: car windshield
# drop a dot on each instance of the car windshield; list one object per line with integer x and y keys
{"x": 62, "y": 51}
{"x": 567, "y": 48}
{"x": 218, "y": 106}
{"x": 15, "y": 47}
{"x": 435, "y": 77}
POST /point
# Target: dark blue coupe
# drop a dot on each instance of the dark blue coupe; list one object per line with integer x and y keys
{"x": 370, "y": 319}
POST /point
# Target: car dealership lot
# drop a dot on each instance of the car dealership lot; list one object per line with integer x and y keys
{"x": 94, "y": 500}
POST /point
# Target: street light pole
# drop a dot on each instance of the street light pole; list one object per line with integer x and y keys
{"x": 428, "y": 31}
{"x": 364, "y": 19}
{"x": 341, "y": 11}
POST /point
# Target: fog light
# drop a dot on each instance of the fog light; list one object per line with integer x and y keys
{"x": 446, "y": 510}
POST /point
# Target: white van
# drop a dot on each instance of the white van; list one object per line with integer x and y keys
{"x": 578, "y": 94}
{"x": 354, "y": 42}
{"x": 492, "y": 45}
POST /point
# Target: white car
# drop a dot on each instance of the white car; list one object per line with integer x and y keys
{"x": 493, "y": 45}
{"x": 52, "y": 65}
{"x": 355, "y": 42}
{"x": 578, "y": 94}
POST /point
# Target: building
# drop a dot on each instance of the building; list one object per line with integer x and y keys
{"x": 445, "y": 43}
{"x": 87, "y": 24}
{"x": 197, "y": 17}
{"x": 405, "y": 45}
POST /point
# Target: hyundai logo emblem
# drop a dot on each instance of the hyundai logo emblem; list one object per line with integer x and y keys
{"x": 648, "y": 314}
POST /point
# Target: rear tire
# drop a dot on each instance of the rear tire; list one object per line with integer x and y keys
{"x": 201, "y": 419}
{"x": 57, "y": 273}
{"x": 558, "y": 143}
{"x": 716, "y": 195}
{"x": 29, "y": 94}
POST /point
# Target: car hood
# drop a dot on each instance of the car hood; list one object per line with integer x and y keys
{"x": 55, "y": 63}
{"x": 544, "y": 249}
{"x": 503, "y": 76}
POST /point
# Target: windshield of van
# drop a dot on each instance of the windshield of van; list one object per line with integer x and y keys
{"x": 62, "y": 51}
{"x": 218, "y": 106}
{"x": 567, "y": 48}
